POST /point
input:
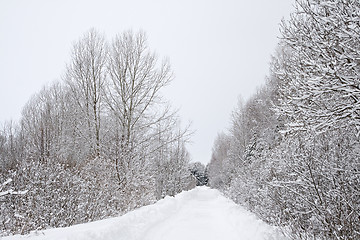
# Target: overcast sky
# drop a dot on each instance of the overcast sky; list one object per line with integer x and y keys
{"x": 219, "y": 50}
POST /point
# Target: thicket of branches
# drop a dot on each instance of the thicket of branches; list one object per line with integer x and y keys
{"x": 97, "y": 144}
{"x": 292, "y": 152}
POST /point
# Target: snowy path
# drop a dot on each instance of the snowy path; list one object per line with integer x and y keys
{"x": 201, "y": 213}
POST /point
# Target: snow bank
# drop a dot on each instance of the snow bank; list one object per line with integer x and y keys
{"x": 195, "y": 214}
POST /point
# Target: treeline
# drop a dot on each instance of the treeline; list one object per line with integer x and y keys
{"x": 292, "y": 152}
{"x": 99, "y": 143}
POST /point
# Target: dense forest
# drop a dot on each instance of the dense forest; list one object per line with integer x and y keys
{"x": 292, "y": 152}
{"x": 99, "y": 143}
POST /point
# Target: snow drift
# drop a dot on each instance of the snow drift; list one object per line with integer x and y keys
{"x": 201, "y": 213}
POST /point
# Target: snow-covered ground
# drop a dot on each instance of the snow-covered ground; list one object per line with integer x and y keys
{"x": 201, "y": 213}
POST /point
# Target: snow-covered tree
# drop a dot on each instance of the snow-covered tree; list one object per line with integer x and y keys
{"x": 198, "y": 170}
{"x": 323, "y": 69}
{"x": 86, "y": 77}
{"x": 139, "y": 115}
{"x": 218, "y": 166}
{"x": 294, "y": 146}
{"x": 98, "y": 144}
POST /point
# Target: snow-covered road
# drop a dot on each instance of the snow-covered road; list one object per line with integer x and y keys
{"x": 201, "y": 213}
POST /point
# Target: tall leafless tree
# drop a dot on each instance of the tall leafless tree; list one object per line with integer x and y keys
{"x": 135, "y": 81}
{"x": 86, "y": 76}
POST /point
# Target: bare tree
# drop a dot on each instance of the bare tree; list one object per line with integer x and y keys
{"x": 136, "y": 81}
{"x": 86, "y": 76}
{"x": 90, "y": 147}
{"x": 133, "y": 94}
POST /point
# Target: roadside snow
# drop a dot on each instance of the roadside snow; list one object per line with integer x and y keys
{"x": 201, "y": 213}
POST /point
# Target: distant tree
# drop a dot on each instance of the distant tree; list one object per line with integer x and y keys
{"x": 219, "y": 161}
{"x": 41, "y": 122}
{"x": 197, "y": 169}
{"x": 11, "y": 147}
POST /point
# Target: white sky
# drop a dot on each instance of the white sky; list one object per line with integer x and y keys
{"x": 219, "y": 50}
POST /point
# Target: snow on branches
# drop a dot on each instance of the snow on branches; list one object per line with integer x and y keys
{"x": 323, "y": 84}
